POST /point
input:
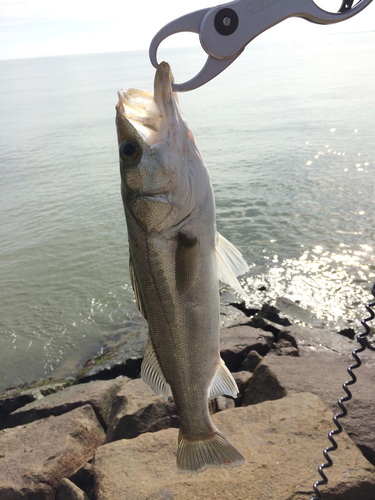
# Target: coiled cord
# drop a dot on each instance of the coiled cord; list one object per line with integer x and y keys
{"x": 360, "y": 338}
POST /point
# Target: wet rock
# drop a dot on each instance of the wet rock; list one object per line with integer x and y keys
{"x": 311, "y": 340}
{"x": 100, "y": 395}
{"x": 281, "y": 440}
{"x": 35, "y": 457}
{"x": 295, "y": 312}
{"x": 230, "y": 314}
{"x": 124, "y": 360}
{"x": 69, "y": 491}
{"x": 10, "y": 404}
{"x": 272, "y": 314}
{"x": 238, "y": 341}
{"x": 15, "y": 398}
{"x": 138, "y": 410}
{"x": 322, "y": 374}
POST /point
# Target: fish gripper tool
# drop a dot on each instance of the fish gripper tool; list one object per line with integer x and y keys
{"x": 225, "y": 30}
{"x": 361, "y": 339}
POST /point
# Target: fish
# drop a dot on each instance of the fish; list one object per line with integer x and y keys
{"x": 176, "y": 260}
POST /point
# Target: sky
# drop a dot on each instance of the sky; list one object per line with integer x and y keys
{"x": 37, "y": 28}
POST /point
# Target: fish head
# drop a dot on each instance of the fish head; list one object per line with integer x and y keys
{"x": 160, "y": 164}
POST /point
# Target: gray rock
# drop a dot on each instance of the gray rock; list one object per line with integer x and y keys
{"x": 322, "y": 374}
{"x": 12, "y": 403}
{"x": 251, "y": 361}
{"x": 295, "y": 312}
{"x": 69, "y": 491}
{"x": 224, "y": 403}
{"x": 270, "y": 313}
{"x": 13, "y": 399}
{"x": 100, "y": 395}
{"x": 84, "y": 479}
{"x": 311, "y": 340}
{"x": 285, "y": 347}
{"x": 124, "y": 360}
{"x": 35, "y": 457}
{"x": 138, "y": 410}
{"x": 264, "y": 384}
{"x": 238, "y": 341}
{"x": 282, "y": 441}
{"x": 242, "y": 379}
{"x": 230, "y": 315}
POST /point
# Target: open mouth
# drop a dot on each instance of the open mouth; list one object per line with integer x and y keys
{"x": 139, "y": 108}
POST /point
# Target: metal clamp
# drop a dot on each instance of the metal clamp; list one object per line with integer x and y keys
{"x": 225, "y": 30}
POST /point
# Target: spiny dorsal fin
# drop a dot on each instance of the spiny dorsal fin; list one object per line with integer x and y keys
{"x": 152, "y": 374}
{"x": 229, "y": 264}
{"x": 223, "y": 383}
{"x": 136, "y": 289}
{"x": 186, "y": 262}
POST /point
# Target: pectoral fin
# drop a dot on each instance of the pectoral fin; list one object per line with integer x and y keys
{"x": 136, "y": 289}
{"x": 223, "y": 383}
{"x": 186, "y": 262}
{"x": 230, "y": 264}
{"x": 152, "y": 374}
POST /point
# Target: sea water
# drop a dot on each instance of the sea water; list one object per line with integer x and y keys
{"x": 287, "y": 133}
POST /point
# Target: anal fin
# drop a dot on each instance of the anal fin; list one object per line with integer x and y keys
{"x": 152, "y": 374}
{"x": 223, "y": 383}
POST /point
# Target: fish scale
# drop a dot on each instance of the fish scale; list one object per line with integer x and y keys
{"x": 176, "y": 260}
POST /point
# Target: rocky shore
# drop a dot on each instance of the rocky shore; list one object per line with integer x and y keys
{"x": 104, "y": 435}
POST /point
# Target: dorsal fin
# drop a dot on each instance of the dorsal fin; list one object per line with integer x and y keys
{"x": 136, "y": 289}
{"x": 229, "y": 264}
{"x": 186, "y": 262}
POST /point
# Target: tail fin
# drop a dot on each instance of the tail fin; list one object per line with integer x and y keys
{"x": 198, "y": 455}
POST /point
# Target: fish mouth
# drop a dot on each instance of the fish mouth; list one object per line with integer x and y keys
{"x": 149, "y": 113}
{"x": 160, "y": 197}
{"x": 137, "y": 106}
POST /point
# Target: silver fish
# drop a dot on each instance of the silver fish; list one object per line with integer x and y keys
{"x": 176, "y": 260}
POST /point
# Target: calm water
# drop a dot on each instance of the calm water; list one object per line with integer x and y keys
{"x": 288, "y": 135}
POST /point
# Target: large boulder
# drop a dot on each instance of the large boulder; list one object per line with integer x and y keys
{"x": 35, "y": 457}
{"x": 323, "y": 374}
{"x": 281, "y": 440}
{"x": 138, "y": 410}
{"x": 236, "y": 343}
{"x": 100, "y": 395}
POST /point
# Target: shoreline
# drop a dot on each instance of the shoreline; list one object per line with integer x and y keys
{"x": 232, "y": 312}
{"x": 73, "y": 435}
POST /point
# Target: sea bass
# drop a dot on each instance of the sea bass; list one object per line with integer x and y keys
{"x": 176, "y": 260}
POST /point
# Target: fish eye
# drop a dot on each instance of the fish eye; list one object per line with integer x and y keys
{"x": 129, "y": 150}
